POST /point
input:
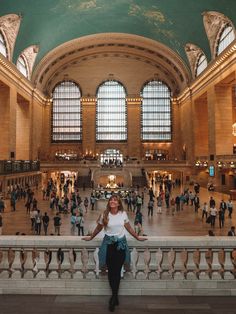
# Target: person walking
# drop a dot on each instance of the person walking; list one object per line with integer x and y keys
{"x": 80, "y": 224}
{"x": 114, "y": 251}
{"x": 57, "y": 223}
{"x": 45, "y": 223}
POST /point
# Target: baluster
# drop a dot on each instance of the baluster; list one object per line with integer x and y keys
{"x": 28, "y": 264}
{"x": 159, "y": 258}
{"x": 91, "y": 273}
{"x": 180, "y": 263}
{"x": 221, "y": 260}
{"x": 196, "y": 260}
{"x": 60, "y": 260}
{"x": 134, "y": 261}
{"x": 65, "y": 266}
{"x": 190, "y": 265}
{"x": 165, "y": 265}
{"x": 41, "y": 263}
{"x": 184, "y": 260}
{"x": 72, "y": 259}
{"x": 204, "y": 267}
{"x": 229, "y": 267}
{"x": 96, "y": 261}
{"x": 216, "y": 266}
{"x": 171, "y": 260}
{"x": 84, "y": 259}
{"x": 15, "y": 266}
{"x": 54, "y": 266}
{"x": 78, "y": 274}
{"x": 209, "y": 259}
{"x": 233, "y": 260}
{"x": 4, "y": 265}
{"x": 147, "y": 259}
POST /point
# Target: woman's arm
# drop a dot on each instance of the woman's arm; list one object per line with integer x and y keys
{"x": 98, "y": 228}
{"x": 133, "y": 233}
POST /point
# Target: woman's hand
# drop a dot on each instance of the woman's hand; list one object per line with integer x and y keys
{"x": 141, "y": 238}
{"x": 87, "y": 238}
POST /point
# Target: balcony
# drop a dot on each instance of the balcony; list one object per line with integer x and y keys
{"x": 160, "y": 266}
{"x": 18, "y": 166}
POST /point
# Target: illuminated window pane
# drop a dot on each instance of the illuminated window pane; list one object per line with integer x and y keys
{"x": 201, "y": 64}
{"x": 3, "y": 47}
{"x": 111, "y": 115}
{"x": 66, "y": 113}
{"x": 21, "y": 66}
{"x": 226, "y": 38}
{"x": 156, "y": 112}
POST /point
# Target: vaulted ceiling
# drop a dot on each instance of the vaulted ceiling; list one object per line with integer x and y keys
{"x": 49, "y": 23}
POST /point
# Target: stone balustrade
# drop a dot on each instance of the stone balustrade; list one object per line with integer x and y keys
{"x": 159, "y": 266}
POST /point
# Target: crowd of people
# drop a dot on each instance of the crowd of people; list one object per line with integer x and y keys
{"x": 64, "y": 199}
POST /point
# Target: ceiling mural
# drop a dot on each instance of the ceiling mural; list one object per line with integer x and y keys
{"x": 49, "y": 23}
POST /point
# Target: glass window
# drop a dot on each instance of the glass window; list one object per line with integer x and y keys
{"x": 111, "y": 112}
{"x": 21, "y": 66}
{"x": 66, "y": 113}
{"x": 201, "y": 64}
{"x": 226, "y": 38}
{"x": 3, "y": 46}
{"x": 156, "y": 112}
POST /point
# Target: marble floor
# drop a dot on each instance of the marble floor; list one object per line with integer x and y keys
{"x": 183, "y": 223}
{"x": 24, "y": 304}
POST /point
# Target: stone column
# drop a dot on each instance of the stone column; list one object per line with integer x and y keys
{"x": 5, "y": 121}
{"x": 12, "y": 121}
{"x": 223, "y": 119}
{"x": 134, "y": 127}
{"x": 89, "y": 125}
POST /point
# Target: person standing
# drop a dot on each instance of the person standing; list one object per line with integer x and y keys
{"x": 80, "y": 224}
{"x": 231, "y": 232}
{"x": 204, "y": 210}
{"x": 57, "y": 223}
{"x": 2, "y": 205}
{"x": 114, "y": 251}
{"x": 230, "y": 208}
{"x": 45, "y": 223}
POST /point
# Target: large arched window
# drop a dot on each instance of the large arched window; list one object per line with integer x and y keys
{"x": 21, "y": 66}
{"x": 226, "y": 37}
{"x": 156, "y": 112}
{"x": 3, "y": 46}
{"x": 201, "y": 64}
{"x": 66, "y": 113}
{"x": 111, "y": 117}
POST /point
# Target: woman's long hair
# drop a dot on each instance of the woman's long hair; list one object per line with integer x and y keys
{"x": 107, "y": 210}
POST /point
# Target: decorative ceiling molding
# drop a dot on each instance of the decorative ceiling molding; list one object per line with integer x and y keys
{"x": 213, "y": 22}
{"x": 131, "y": 45}
{"x": 9, "y": 25}
{"x": 164, "y": 73}
{"x": 193, "y": 53}
{"x": 30, "y": 54}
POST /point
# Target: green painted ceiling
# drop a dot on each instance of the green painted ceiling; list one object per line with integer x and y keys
{"x": 174, "y": 23}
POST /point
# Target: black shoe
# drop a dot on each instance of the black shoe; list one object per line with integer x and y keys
{"x": 112, "y": 303}
{"x": 116, "y": 300}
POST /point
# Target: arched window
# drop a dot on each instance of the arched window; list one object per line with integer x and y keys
{"x": 21, "y": 66}
{"x": 66, "y": 113}
{"x": 201, "y": 64}
{"x": 226, "y": 37}
{"x": 111, "y": 112}
{"x": 156, "y": 112}
{"x": 3, "y": 46}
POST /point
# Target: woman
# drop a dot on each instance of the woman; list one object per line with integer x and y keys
{"x": 114, "y": 251}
